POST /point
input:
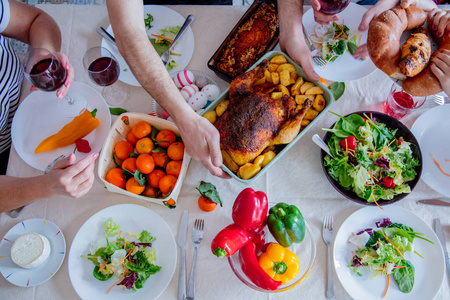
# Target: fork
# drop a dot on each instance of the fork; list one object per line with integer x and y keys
{"x": 327, "y": 235}
{"x": 316, "y": 57}
{"x": 165, "y": 57}
{"x": 438, "y": 99}
{"x": 197, "y": 236}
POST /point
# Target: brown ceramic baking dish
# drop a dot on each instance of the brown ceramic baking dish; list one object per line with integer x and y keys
{"x": 261, "y": 17}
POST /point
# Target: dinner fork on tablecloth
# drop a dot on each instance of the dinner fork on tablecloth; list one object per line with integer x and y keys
{"x": 327, "y": 235}
{"x": 197, "y": 237}
{"x": 439, "y": 100}
{"x": 315, "y": 54}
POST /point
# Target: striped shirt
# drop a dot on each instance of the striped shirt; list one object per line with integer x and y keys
{"x": 11, "y": 75}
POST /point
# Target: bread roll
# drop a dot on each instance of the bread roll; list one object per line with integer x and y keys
{"x": 416, "y": 52}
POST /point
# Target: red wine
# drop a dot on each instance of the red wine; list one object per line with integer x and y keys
{"x": 404, "y": 99}
{"x": 104, "y": 71}
{"x": 333, "y": 6}
{"x": 48, "y": 75}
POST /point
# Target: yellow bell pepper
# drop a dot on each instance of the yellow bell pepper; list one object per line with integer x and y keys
{"x": 279, "y": 263}
{"x": 78, "y": 128}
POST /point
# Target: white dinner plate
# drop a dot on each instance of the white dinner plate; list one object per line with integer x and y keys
{"x": 162, "y": 17}
{"x": 429, "y": 270}
{"x": 39, "y": 117}
{"x": 345, "y": 68}
{"x": 31, "y": 277}
{"x": 430, "y": 130}
{"x": 131, "y": 218}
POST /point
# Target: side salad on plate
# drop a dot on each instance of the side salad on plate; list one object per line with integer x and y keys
{"x": 334, "y": 40}
{"x": 129, "y": 258}
{"x": 163, "y": 41}
{"x": 382, "y": 250}
{"x": 369, "y": 159}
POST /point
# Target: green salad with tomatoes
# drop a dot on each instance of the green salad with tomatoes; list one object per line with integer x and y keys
{"x": 369, "y": 159}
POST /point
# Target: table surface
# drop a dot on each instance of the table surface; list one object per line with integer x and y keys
{"x": 305, "y": 185}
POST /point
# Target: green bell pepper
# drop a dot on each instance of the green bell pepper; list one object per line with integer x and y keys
{"x": 286, "y": 224}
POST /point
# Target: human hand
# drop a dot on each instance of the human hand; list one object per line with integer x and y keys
{"x": 202, "y": 143}
{"x": 70, "y": 178}
{"x": 295, "y": 47}
{"x": 440, "y": 66}
{"x": 425, "y": 5}
{"x": 373, "y": 12}
{"x": 440, "y": 21}
{"x": 361, "y": 52}
{"x": 321, "y": 17}
{"x": 70, "y": 73}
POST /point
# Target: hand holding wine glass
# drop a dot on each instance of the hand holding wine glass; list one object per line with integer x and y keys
{"x": 325, "y": 11}
{"x": 103, "y": 69}
{"x": 48, "y": 71}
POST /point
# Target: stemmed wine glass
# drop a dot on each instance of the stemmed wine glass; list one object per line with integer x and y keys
{"x": 46, "y": 72}
{"x": 103, "y": 69}
{"x": 333, "y": 6}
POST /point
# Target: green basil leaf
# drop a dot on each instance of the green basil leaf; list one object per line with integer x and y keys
{"x": 117, "y": 111}
{"x": 208, "y": 190}
{"x": 337, "y": 89}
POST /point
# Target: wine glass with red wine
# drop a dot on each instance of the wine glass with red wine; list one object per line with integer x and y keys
{"x": 103, "y": 69}
{"x": 46, "y": 72}
{"x": 332, "y": 7}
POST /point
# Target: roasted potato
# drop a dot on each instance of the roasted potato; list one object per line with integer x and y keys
{"x": 278, "y": 59}
{"x": 222, "y": 107}
{"x": 268, "y": 156}
{"x": 229, "y": 162}
{"x": 248, "y": 171}
{"x": 284, "y": 90}
{"x": 267, "y": 76}
{"x": 285, "y": 78}
{"x": 319, "y": 103}
{"x": 275, "y": 77}
{"x": 258, "y": 160}
{"x": 304, "y": 123}
{"x": 315, "y": 90}
{"x": 311, "y": 114}
{"x": 272, "y": 68}
{"x": 305, "y": 86}
{"x": 211, "y": 116}
{"x": 295, "y": 89}
{"x": 260, "y": 81}
{"x": 289, "y": 67}
{"x": 299, "y": 99}
{"x": 276, "y": 95}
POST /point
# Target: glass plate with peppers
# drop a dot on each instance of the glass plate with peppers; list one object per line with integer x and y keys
{"x": 270, "y": 247}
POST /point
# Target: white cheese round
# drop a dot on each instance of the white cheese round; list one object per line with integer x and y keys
{"x": 30, "y": 250}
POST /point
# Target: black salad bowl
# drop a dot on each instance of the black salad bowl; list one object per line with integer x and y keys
{"x": 402, "y": 131}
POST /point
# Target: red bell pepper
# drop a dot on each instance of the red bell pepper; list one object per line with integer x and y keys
{"x": 232, "y": 238}
{"x": 250, "y": 208}
{"x": 348, "y": 143}
{"x": 250, "y": 266}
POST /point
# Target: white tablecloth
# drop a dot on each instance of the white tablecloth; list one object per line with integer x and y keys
{"x": 297, "y": 178}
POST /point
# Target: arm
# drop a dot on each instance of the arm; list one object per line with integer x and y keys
{"x": 199, "y": 135}
{"x": 66, "y": 178}
{"x": 292, "y": 40}
{"x": 33, "y": 26}
{"x": 440, "y": 60}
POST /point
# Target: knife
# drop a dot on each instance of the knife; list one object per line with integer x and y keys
{"x": 440, "y": 235}
{"x": 182, "y": 233}
{"x": 436, "y": 202}
{"x": 102, "y": 31}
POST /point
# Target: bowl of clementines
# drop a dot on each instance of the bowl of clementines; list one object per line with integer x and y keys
{"x": 144, "y": 157}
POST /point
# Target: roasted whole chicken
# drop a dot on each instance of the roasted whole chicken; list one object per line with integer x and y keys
{"x": 254, "y": 121}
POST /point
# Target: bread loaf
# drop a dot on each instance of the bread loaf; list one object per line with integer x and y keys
{"x": 383, "y": 40}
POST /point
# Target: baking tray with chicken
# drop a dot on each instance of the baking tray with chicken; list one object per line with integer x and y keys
{"x": 255, "y": 34}
{"x": 264, "y": 112}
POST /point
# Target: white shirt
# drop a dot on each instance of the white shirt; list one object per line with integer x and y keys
{"x": 11, "y": 74}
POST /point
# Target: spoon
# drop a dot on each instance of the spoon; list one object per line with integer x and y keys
{"x": 319, "y": 142}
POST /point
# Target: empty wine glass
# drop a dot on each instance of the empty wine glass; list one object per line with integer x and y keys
{"x": 333, "y": 6}
{"x": 44, "y": 70}
{"x": 103, "y": 69}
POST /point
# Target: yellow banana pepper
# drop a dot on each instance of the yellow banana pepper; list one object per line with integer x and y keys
{"x": 279, "y": 263}
{"x": 80, "y": 126}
